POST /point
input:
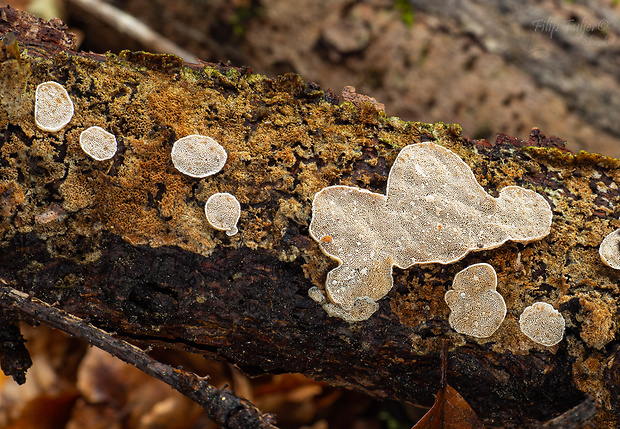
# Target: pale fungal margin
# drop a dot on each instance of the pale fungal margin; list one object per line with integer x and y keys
{"x": 362, "y": 309}
{"x": 610, "y": 250}
{"x": 98, "y": 143}
{"x": 53, "y": 108}
{"x": 477, "y": 309}
{"x": 223, "y": 212}
{"x": 434, "y": 211}
{"x": 542, "y": 323}
{"x": 198, "y": 156}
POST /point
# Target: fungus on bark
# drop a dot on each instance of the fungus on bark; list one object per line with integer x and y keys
{"x": 542, "y": 323}
{"x": 53, "y": 108}
{"x": 223, "y": 212}
{"x": 198, "y": 156}
{"x": 98, "y": 143}
{"x": 477, "y": 309}
{"x": 610, "y": 249}
{"x": 434, "y": 211}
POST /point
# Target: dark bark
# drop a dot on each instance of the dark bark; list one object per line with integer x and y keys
{"x": 123, "y": 244}
{"x": 222, "y": 406}
{"x": 14, "y": 357}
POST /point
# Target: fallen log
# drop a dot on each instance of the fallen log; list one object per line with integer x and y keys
{"x": 125, "y": 245}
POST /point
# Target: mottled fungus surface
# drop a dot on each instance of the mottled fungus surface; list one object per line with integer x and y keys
{"x": 53, "y": 108}
{"x": 434, "y": 211}
{"x": 198, "y": 156}
{"x": 610, "y": 250}
{"x": 223, "y": 212}
{"x": 98, "y": 143}
{"x": 542, "y": 323}
{"x": 477, "y": 309}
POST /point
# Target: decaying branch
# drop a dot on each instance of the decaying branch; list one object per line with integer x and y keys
{"x": 125, "y": 243}
{"x": 222, "y": 406}
{"x": 132, "y": 27}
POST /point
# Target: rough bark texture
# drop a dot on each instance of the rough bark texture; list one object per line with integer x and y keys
{"x": 125, "y": 243}
{"x": 483, "y": 64}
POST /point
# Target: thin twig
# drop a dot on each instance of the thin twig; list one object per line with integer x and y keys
{"x": 222, "y": 406}
{"x": 581, "y": 416}
{"x": 130, "y": 26}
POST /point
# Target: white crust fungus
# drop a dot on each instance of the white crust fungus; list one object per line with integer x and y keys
{"x": 477, "y": 309}
{"x": 223, "y": 212}
{"x": 53, "y": 108}
{"x": 198, "y": 156}
{"x": 434, "y": 211}
{"x": 98, "y": 143}
{"x": 610, "y": 250}
{"x": 542, "y": 323}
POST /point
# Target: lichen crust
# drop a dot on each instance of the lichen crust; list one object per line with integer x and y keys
{"x": 434, "y": 211}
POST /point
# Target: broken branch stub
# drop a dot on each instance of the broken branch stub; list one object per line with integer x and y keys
{"x": 434, "y": 211}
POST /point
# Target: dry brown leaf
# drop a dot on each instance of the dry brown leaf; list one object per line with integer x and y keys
{"x": 450, "y": 410}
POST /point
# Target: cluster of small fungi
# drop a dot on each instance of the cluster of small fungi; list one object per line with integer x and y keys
{"x": 434, "y": 211}
{"x": 196, "y": 156}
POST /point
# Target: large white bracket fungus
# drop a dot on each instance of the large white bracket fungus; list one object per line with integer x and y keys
{"x": 223, "y": 212}
{"x": 53, "y": 108}
{"x": 610, "y": 250}
{"x": 98, "y": 143}
{"x": 477, "y": 309}
{"x": 434, "y": 211}
{"x": 198, "y": 156}
{"x": 542, "y": 323}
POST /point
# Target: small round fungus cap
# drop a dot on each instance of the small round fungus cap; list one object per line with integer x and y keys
{"x": 98, "y": 143}
{"x": 198, "y": 156}
{"x": 477, "y": 309}
{"x": 223, "y": 212}
{"x": 610, "y": 250}
{"x": 542, "y": 323}
{"x": 53, "y": 108}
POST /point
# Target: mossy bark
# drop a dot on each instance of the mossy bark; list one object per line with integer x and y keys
{"x": 125, "y": 242}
